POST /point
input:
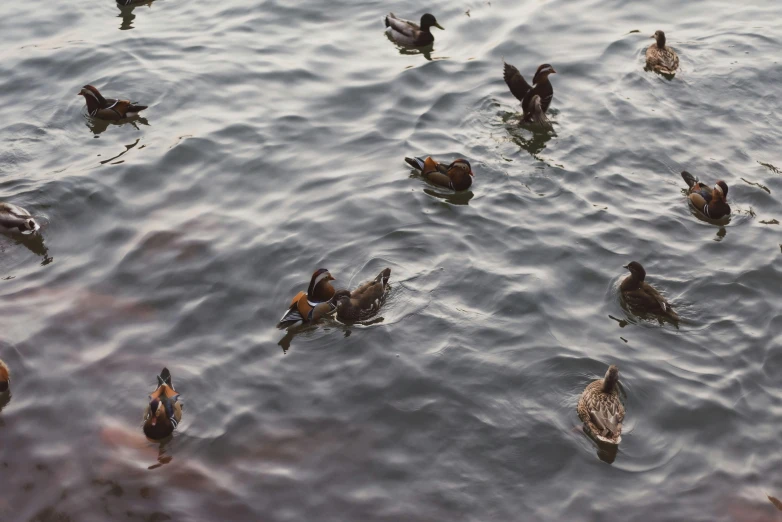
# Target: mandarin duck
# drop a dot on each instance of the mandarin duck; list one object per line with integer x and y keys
{"x": 364, "y": 301}
{"x": 410, "y": 34}
{"x": 164, "y": 412}
{"x": 15, "y": 219}
{"x": 641, "y": 297}
{"x": 312, "y": 305}
{"x": 660, "y": 58}
{"x": 710, "y": 202}
{"x": 456, "y": 176}
{"x": 5, "y": 377}
{"x": 534, "y": 100}
{"x": 600, "y": 409}
{"x": 108, "y": 109}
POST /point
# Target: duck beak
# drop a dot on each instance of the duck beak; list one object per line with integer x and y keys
{"x": 329, "y": 278}
{"x": 626, "y": 266}
{"x": 439, "y": 26}
{"x": 153, "y": 420}
{"x": 472, "y": 174}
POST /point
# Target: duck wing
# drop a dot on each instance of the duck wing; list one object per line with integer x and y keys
{"x": 516, "y": 83}
{"x": 404, "y": 27}
{"x": 606, "y": 419}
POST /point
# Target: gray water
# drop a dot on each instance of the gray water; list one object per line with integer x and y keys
{"x": 274, "y": 145}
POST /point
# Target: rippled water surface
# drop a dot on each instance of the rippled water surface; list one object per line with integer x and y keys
{"x": 274, "y": 145}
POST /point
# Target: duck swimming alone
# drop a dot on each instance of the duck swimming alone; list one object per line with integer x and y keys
{"x": 600, "y": 409}
{"x": 108, "y": 109}
{"x": 456, "y": 176}
{"x": 410, "y": 34}
{"x": 660, "y": 58}
{"x": 15, "y": 219}
{"x": 5, "y": 377}
{"x": 164, "y": 412}
{"x": 641, "y": 297}
{"x": 534, "y": 100}
{"x": 364, "y": 301}
{"x": 312, "y": 305}
{"x": 711, "y": 202}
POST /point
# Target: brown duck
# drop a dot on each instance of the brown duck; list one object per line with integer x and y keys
{"x": 455, "y": 176}
{"x": 641, "y": 297}
{"x": 108, "y": 109}
{"x": 5, "y": 377}
{"x": 660, "y": 58}
{"x": 600, "y": 409}
{"x": 164, "y": 412}
{"x": 535, "y": 99}
{"x": 364, "y": 301}
{"x": 312, "y": 305}
{"x": 712, "y": 203}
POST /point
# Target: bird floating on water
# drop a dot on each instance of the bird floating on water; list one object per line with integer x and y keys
{"x": 711, "y": 202}
{"x": 312, "y": 305}
{"x": 14, "y": 219}
{"x": 410, "y": 34}
{"x": 164, "y": 412}
{"x": 364, "y": 301}
{"x": 455, "y": 176}
{"x": 535, "y": 99}
{"x": 600, "y": 409}
{"x": 108, "y": 109}
{"x": 660, "y": 58}
{"x": 641, "y": 297}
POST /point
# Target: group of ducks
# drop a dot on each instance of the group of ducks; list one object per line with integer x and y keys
{"x": 599, "y": 407}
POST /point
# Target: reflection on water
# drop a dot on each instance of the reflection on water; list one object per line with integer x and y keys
{"x": 98, "y": 126}
{"x": 531, "y": 137}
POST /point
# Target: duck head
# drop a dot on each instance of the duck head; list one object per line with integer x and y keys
{"x": 660, "y": 37}
{"x": 611, "y": 378}
{"x": 721, "y": 189}
{"x": 459, "y": 166}
{"x": 428, "y": 21}
{"x": 29, "y": 225}
{"x": 543, "y": 73}
{"x": 636, "y": 270}
{"x": 93, "y": 97}
{"x": 320, "y": 289}
{"x": 157, "y": 426}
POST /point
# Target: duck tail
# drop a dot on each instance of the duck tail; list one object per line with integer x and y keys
{"x": 689, "y": 178}
{"x": 606, "y": 421}
{"x": 416, "y": 163}
{"x": 383, "y": 277}
{"x": 291, "y": 317}
{"x": 164, "y": 378}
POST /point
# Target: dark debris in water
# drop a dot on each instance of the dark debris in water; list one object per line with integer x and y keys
{"x": 756, "y": 185}
{"x": 771, "y": 167}
{"x": 770, "y": 222}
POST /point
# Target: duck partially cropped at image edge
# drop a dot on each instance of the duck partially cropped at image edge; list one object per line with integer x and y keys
{"x": 5, "y": 377}
{"x": 164, "y": 412}
{"x": 641, "y": 297}
{"x": 600, "y": 408}
{"x": 410, "y": 34}
{"x": 312, "y": 305}
{"x": 456, "y": 176}
{"x": 535, "y": 99}
{"x": 660, "y": 57}
{"x": 16, "y": 220}
{"x": 363, "y": 302}
{"x": 107, "y": 108}
{"x": 711, "y": 202}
